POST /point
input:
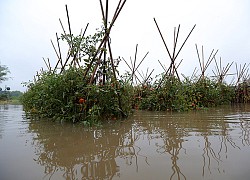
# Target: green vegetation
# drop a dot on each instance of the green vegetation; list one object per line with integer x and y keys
{"x": 67, "y": 96}
{"x": 6, "y": 96}
{"x": 4, "y": 71}
{"x": 87, "y": 88}
{"x": 77, "y": 93}
{"x": 93, "y": 92}
{"x": 175, "y": 95}
{"x": 10, "y": 97}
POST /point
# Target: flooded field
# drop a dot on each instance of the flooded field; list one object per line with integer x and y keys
{"x": 210, "y": 144}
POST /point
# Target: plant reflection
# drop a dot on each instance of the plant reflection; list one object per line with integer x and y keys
{"x": 92, "y": 153}
{"x": 7, "y": 113}
{"x": 173, "y": 140}
{"x": 78, "y": 152}
{"x": 2, "y": 117}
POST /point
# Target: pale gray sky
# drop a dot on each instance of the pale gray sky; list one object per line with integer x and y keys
{"x": 26, "y": 27}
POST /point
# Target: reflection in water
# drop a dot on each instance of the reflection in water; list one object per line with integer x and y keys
{"x": 4, "y": 116}
{"x": 76, "y": 151}
{"x": 149, "y": 145}
{"x": 169, "y": 138}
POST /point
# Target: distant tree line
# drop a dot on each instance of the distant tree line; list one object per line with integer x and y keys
{"x": 5, "y": 93}
{"x": 10, "y": 95}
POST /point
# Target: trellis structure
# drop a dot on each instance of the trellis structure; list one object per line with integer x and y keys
{"x": 221, "y": 72}
{"x": 99, "y": 63}
{"x": 241, "y": 85}
{"x": 172, "y": 70}
{"x": 203, "y": 65}
{"x": 134, "y": 68}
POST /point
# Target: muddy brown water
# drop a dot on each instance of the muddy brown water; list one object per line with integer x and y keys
{"x": 210, "y": 144}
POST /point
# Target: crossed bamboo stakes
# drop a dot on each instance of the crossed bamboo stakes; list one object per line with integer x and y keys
{"x": 101, "y": 54}
{"x": 172, "y": 70}
{"x": 104, "y": 51}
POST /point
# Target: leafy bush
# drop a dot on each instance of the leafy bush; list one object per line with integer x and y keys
{"x": 67, "y": 96}
{"x": 174, "y": 95}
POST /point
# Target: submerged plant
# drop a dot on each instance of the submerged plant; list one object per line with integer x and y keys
{"x": 68, "y": 97}
{"x": 176, "y": 95}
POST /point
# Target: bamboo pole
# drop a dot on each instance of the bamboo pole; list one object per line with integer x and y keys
{"x": 68, "y": 56}
{"x": 173, "y": 69}
{"x": 47, "y": 65}
{"x": 133, "y": 65}
{"x": 185, "y": 41}
{"x": 69, "y": 23}
{"x": 105, "y": 38}
{"x": 162, "y": 39}
{"x": 131, "y": 69}
{"x": 59, "y": 49}
{"x": 203, "y": 65}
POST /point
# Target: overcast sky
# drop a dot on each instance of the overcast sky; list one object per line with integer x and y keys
{"x": 26, "y": 27}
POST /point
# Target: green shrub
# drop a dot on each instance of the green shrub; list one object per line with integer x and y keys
{"x": 67, "y": 96}
{"x": 175, "y": 95}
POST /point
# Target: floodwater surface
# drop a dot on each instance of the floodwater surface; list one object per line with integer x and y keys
{"x": 208, "y": 144}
